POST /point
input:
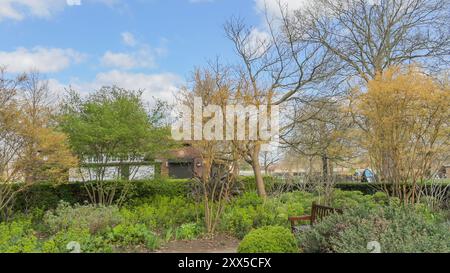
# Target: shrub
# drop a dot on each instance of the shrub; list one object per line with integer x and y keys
{"x": 248, "y": 184}
{"x": 397, "y": 229}
{"x": 126, "y": 235}
{"x": 238, "y": 221}
{"x": 89, "y": 243}
{"x": 159, "y": 186}
{"x": 163, "y": 213}
{"x": 270, "y": 239}
{"x": 293, "y": 203}
{"x": 352, "y": 199}
{"x": 47, "y": 195}
{"x": 248, "y": 199}
{"x": 92, "y": 217}
{"x": 171, "y": 212}
{"x": 143, "y": 214}
{"x": 380, "y": 198}
{"x": 188, "y": 231}
{"x": 249, "y": 211}
{"x": 17, "y": 237}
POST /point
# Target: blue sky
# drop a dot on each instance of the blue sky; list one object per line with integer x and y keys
{"x": 151, "y": 44}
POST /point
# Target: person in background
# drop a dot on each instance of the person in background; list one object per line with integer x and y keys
{"x": 368, "y": 176}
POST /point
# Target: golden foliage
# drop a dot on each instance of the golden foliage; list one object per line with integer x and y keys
{"x": 404, "y": 115}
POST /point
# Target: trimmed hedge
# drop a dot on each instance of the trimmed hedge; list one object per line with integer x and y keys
{"x": 365, "y": 188}
{"x": 269, "y": 239}
{"x": 46, "y": 195}
{"x": 248, "y": 184}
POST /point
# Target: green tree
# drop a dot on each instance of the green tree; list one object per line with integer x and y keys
{"x": 109, "y": 125}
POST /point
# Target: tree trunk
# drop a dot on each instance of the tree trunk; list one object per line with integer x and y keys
{"x": 325, "y": 168}
{"x": 257, "y": 171}
{"x": 259, "y": 180}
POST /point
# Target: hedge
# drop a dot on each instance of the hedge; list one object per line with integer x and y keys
{"x": 269, "y": 239}
{"x": 248, "y": 184}
{"x": 46, "y": 195}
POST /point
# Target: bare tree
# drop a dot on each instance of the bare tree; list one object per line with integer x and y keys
{"x": 11, "y": 141}
{"x": 368, "y": 36}
{"x": 269, "y": 159}
{"x": 275, "y": 67}
{"x": 219, "y": 159}
{"x": 322, "y": 129}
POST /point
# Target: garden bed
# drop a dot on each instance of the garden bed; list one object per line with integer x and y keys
{"x": 217, "y": 244}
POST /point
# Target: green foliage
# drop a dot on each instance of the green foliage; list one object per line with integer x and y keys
{"x": 126, "y": 235}
{"x": 397, "y": 229}
{"x": 160, "y": 209}
{"x": 100, "y": 125}
{"x": 245, "y": 213}
{"x": 294, "y": 203}
{"x": 381, "y": 198}
{"x": 351, "y": 199}
{"x": 269, "y": 239}
{"x": 91, "y": 217}
{"x": 47, "y": 195}
{"x": 89, "y": 243}
{"x": 248, "y": 183}
{"x": 248, "y": 199}
{"x": 238, "y": 221}
{"x": 170, "y": 216}
{"x": 143, "y": 214}
{"x": 158, "y": 186}
{"x": 249, "y": 211}
{"x": 188, "y": 231}
{"x": 175, "y": 211}
{"x": 17, "y": 237}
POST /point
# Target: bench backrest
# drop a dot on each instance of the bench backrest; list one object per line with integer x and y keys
{"x": 318, "y": 212}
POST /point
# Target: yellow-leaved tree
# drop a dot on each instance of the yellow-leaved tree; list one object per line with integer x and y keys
{"x": 404, "y": 117}
{"x": 31, "y": 149}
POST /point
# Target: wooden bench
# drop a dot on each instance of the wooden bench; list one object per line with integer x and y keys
{"x": 318, "y": 212}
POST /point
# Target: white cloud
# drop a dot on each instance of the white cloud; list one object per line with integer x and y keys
{"x": 19, "y": 9}
{"x": 128, "y": 39}
{"x": 273, "y": 5}
{"x": 55, "y": 86}
{"x": 141, "y": 56}
{"x": 45, "y": 60}
{"x": 259, "y": 41}
{"x": 157, "y": 85}
{"x": 162, "y": 85}
{"x": 139, "y": 59}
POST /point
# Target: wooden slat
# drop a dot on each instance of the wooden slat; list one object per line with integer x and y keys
{"x": 318, "y": 212}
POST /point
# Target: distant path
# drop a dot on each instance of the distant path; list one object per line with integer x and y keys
{"x": 218, "y": 244}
